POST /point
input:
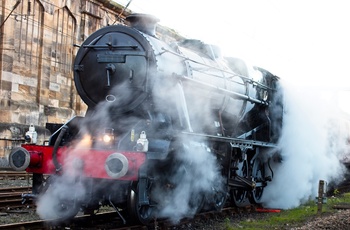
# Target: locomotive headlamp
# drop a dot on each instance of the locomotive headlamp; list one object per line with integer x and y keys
{"x": 107, "y": 138}
{"x": 142, "y": 143}
{"x": 31, "y": 136}
{"x": 108, "y": 135}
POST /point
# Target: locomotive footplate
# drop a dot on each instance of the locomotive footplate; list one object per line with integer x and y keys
{"x": 235, "y": 142}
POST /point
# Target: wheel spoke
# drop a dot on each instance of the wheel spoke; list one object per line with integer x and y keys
{"x": 258, "y": 175}
{"x": 239, "y": 195}
{"x": 62, "y": 208}
{"x": 142, "y": 213}
{"x": 220, "y": 200}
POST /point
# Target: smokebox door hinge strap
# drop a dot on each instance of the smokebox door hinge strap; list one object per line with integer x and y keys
{"x": 79, "y": 68}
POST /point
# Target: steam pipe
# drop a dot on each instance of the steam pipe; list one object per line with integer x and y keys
{"x": 182, "y": 107}
{"x": 229, "y": 92}
{"x": 58, "y": 166}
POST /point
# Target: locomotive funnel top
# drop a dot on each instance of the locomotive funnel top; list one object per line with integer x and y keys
{"x": 143, "y": 22}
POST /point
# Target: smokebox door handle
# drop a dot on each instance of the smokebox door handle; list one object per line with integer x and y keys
{"x": 110, "y": 70}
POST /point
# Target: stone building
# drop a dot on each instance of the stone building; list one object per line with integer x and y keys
{"x": 38, "y": 42}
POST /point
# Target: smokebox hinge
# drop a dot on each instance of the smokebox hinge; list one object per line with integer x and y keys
{"x": 79, "y": 68}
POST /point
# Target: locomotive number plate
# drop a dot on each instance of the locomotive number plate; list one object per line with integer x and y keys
{"x": 110, "y": 58}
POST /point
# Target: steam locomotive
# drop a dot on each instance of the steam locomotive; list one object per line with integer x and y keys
{"x": 164, "y": 121}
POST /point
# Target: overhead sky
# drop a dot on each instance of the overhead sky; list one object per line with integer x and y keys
{"x": 306, "y": 41}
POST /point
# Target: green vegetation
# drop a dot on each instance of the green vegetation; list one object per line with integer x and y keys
{"x": 287, "y": 219}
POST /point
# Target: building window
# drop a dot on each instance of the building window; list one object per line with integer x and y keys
{"x": 28, "y": 34}
{"x": 63, "y": 40}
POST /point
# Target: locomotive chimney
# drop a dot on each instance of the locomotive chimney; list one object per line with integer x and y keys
{"x": 144, "y": 22}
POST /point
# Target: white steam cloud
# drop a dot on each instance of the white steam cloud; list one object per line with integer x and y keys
{"x": 312, "y": 143}
{"x": 62, "y": 196}
{"x": 195, "y": 181}
{"x": 63, "y": 193}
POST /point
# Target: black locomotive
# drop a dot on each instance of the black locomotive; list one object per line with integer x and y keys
{"x": 156, "y": 113}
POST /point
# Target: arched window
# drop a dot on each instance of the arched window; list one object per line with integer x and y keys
{"x": 90, "y": 18}
{"x": 63, "y": 39}
{"x": 29, "y": 17}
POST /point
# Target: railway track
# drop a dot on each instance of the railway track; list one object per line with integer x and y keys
{"x": 11, "y": 197}
{"x": 106, "y": 220}
{"x": 15, "y": 175}
{"x": 110, "y": 220}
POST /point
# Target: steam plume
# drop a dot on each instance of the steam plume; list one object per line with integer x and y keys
{"x": 196, "y": 179}
{"x": 312, "y": 143}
